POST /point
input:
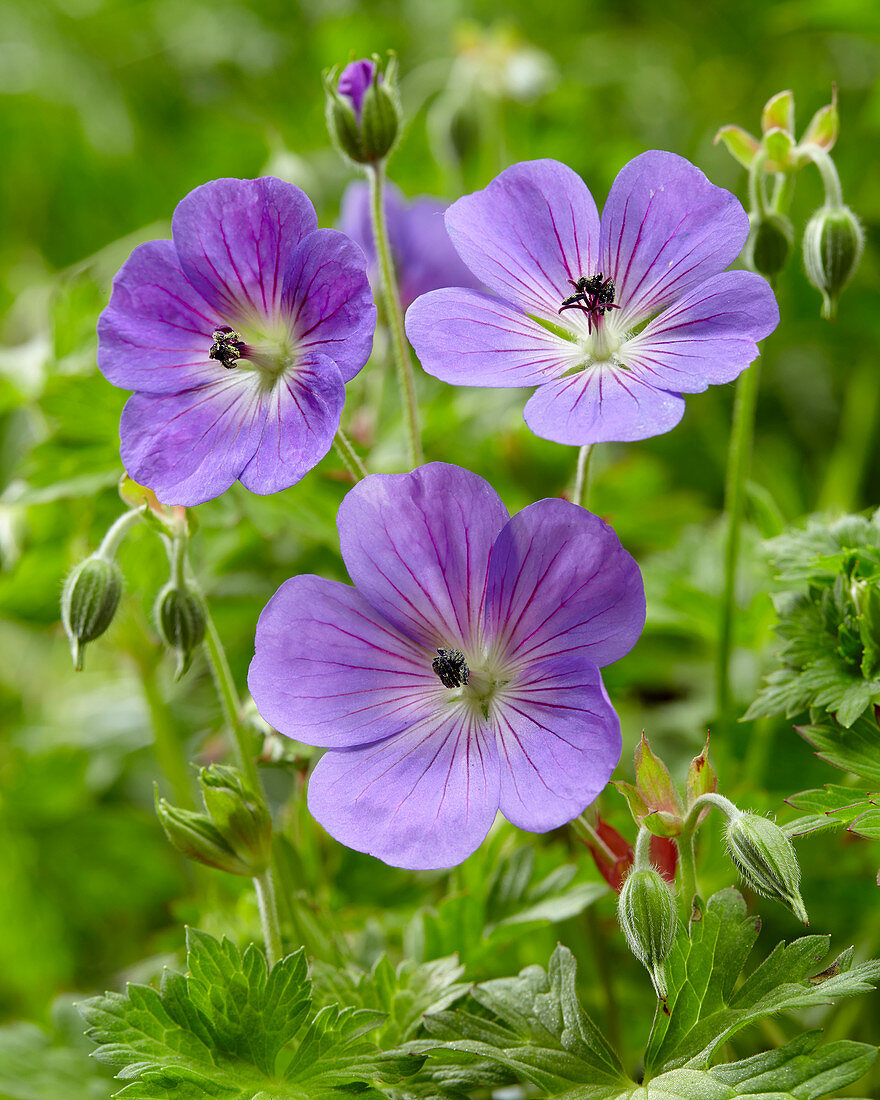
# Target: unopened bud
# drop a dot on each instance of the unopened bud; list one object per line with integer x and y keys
{"x": 196, "y": 836}
{"x": 363, "y": 109}
{"x": 833, "y": 245}
{"x": 180, "y": 619}
{"x": 646, "y": 910}
{"x": 240, "y": 816}
{"x": 766, "y": 860}
{"x": 769, "y": 243}
{"x": 89, "y": 601}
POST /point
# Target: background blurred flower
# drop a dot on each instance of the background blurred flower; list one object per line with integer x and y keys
{"x": 238, "y": 336}
{"x": 423, "y": 255}
{"x": 461, "y": 674}
{"x": 612, "y": 322}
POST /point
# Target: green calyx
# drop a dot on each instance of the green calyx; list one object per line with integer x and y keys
{"x": 766, "y": 860}
{"x": 89, "y": 601}
{"x": 833, "y": 244}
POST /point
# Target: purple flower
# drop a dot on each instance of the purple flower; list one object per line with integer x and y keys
{"x": 353, "y": 82}
{"x": 612, "y": 321}
{"x": 461, "y": 675}
{"x": 424, "y": 258}
{"x": 238, "y": 337}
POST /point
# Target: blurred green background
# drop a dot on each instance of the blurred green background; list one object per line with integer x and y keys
{"x": 111, "y": 112}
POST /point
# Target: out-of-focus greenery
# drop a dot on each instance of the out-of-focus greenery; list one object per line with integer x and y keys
{"x": 112, "y": 110}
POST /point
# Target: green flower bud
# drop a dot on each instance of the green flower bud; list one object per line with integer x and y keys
{"x": 196, "y": 836}
{"x": 89, "y": 601}
{"x": 833, "y": 245}
{"x": 180, "y": 619}
{"x": 363, "y": 109}
{"x": 766, "y": 860}
{"x": 647, "y": 912}
{"x": 769, "y": 243}
{"x": 240, "y": 817}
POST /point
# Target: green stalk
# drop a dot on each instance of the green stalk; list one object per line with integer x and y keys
{"x": 738, "y": 460}
{"x": 582, "y": 479}
{"x": 117, "y": 532}
{"x": 394, "y": 313}
{"x": 265, "y": 888}
{"x": 348, "y": 455}
{"x": 166, "y": 744}
{"x": 230, "y": 702}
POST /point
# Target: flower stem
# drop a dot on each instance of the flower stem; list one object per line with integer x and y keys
{"x": 348, "y": 455}
{"x": 265, "y": 888}
{"x": 582, "y": 479}
{"x": 117, "y": 532}
{"x": 230, "y": 701}
{"x": 738, "y": 459}
{"x": 830, "y": 178}
{"x": 686, "y": 855}
{"x": 394, "y": 313}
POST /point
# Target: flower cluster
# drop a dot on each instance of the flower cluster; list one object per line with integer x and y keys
{"x": 237, "y": 336}
{"x": 460, "y": 675}
{"x": 612, "y": 319}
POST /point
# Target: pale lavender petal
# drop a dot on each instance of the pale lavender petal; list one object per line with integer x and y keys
{"x": 531, "y": 230}
{"x": 602, "y": 404}
{"x": 328, "y": 298}
{"x": 707, "y": 337}
{"x": 235, "y": 239}
{"x": 559, "y": 584}
{"x": 665, "y": 228}
{"x": 302, "y": 416}
{"x": 189, "y": 447}
{"x": 353, "y": 82}
{"x": 473, "y": 339}
{"x": 417, "y": 547}
{"x": 424, "y": 799}
{"x": 157, "y": 330}
{"x": 329, "y": 670}
{"x": 558, "y": 742}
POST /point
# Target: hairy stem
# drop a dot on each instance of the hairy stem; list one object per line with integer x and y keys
{"x": 230, "y": 702}
{"x": 117, "y": 532}
{"x": 582, "y": 479}
{"x": 738, "y": 459}
{"x": 265, "y": 888}
{"x": 394, "y": 313}
{"x": 348, "y": 455}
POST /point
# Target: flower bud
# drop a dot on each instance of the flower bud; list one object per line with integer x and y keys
{"x": 89, "y": 601}
{"x": 833, "y": 244}
{"x": 180, "y": 619}
{"x": 241, "y": 818}
{"x": 769, "y": 243}
{"x": 198, "y": 838}
{"x": 766, "y": 860}
{"x": 646, "y": 910}
{"x": 363, "y": 109}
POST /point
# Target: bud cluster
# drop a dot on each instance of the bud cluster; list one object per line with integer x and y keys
{"x": 833, "y": 239}
{"x": 234, "y": 835}
{"x": 363, "y": 109}
{"x": 654, "y": 800}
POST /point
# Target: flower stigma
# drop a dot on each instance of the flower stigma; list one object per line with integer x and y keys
{"x": 271, "y": 353}
{"x": 227, "y": 347}
{"x": 451, "y": 668}
{"x": 593, "y": 296}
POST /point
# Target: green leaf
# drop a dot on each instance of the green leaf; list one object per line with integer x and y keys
{"x": 856, "y": 749}
{"x": 540, "y": 1032}
{"x": 703, "y": 1009}
{"x": 230, "y": 1028}
{"x": 33, "y": 1067}
{"x": 533, "y": 1027}
{"x": 857, "y": 810}
{"x": 404, "y": 994}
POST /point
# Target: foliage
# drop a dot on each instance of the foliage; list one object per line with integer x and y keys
{"x": 231, "y": 1028}
{"x": 534, "y": 1025}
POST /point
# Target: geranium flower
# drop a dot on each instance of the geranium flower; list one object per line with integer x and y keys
{"x": 461, "y": 675}
{"x": 423, "y": 256}
{"x": 612, "y": 321}
{"x": 238, "y": 336}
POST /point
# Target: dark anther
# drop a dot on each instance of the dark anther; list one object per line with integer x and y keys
{"x": 451, "y": 668}
{"x": 227, "y": 347}
{"x": 593, "y": 296}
